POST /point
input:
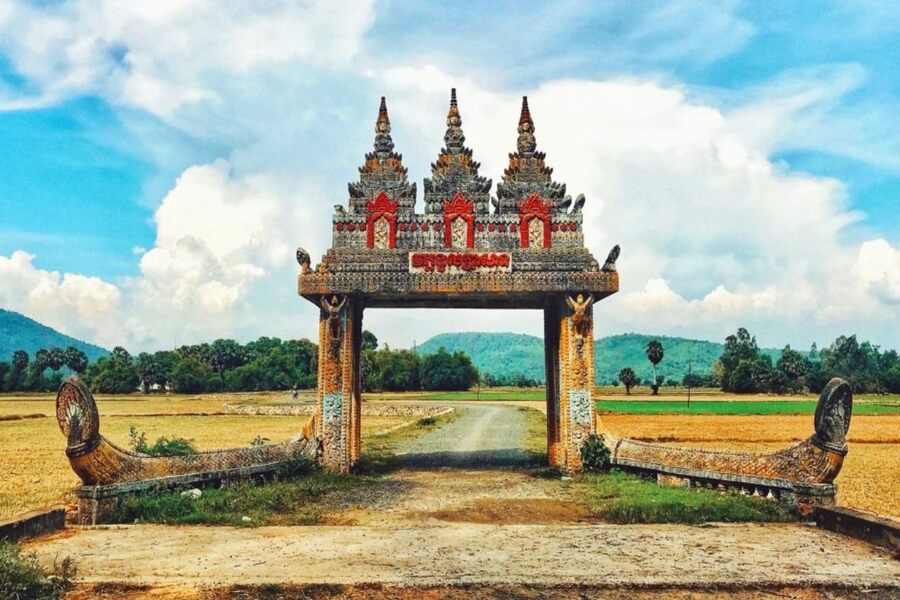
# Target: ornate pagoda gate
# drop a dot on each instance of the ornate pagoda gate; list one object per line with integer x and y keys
{"x": 523, "y": 248}
{"x": 528, "y": 252}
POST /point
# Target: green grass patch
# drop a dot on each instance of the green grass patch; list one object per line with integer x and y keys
{"x": 536, "y": 435}
{"x": 732, "y": 407}
{"x": 618, "y": 497}
{"x": 295, "y": 501}
{"x": 22, "y": 576}
{"x": 302, "y": 499}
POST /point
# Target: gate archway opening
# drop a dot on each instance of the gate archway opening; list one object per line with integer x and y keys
{"x": 483, "y": 433}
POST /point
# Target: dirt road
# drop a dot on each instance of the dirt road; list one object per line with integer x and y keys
{"x": 471, "y": 517}
{"x": 479, "y": 437}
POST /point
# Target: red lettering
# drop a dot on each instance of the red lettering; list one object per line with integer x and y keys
{"x": 463, "y": 261}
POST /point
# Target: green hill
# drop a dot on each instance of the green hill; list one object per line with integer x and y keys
{"x": 18, "y": 332}
{"x": 515, "y": 353}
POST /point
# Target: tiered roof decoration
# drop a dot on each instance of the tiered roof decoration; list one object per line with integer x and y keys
{"x": 455, "y": 171}
{"x": 527, "y": 174}
{"x": 530, "y": 243}
{"x": 383, "y": 171}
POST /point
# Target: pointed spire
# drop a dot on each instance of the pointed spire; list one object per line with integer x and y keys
{"x": 525, "y": 116}
{"x": 382, "y": 112}
{"x": 384, "y": 144}
{"x": 453, "y": 108}
{"x": 454, "y": 138}
{"x": 526, "y": 143}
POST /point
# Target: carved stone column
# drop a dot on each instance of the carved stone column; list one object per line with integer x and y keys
{"x": 575, "y": 418}
{"x": 551, "y": 372}
{"x": 337, "y": 425}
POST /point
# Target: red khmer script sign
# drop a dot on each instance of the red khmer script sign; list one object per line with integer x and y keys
{"x": 459, "y": 262}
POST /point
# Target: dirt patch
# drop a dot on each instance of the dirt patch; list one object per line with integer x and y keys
{"x": 22, "y": 417}
{"x": 381, "y": 592}
{"x": 469, "y": 554}
{"x": 511, "y": 511}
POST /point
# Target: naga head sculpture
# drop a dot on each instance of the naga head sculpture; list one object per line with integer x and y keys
{"x": 833, "y": 412}
{"x": 303, "y": 259}
{"x": 76, "y": 413}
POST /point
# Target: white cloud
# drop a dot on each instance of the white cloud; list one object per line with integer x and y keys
{"x": 81, "y": 306}
{"x": 878, "y": 267}
{"x": 221, "y": 242}
{"x": 162, "y": 56}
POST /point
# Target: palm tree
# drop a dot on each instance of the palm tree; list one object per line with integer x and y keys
{"x": 655, "y": 356}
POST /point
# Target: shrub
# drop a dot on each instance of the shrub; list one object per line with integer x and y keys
{"x": 594, "y": 454}
{"x": 191, "y": 376}
{"x": 163, "y": 446}
{"x": 21, "y": 576}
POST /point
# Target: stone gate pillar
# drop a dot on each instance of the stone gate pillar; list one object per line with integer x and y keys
{"x": 340, "y": 340}
{"x": 551, "y": 375}
{"x": 573, "y": 418}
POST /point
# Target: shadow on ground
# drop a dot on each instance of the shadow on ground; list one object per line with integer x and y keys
{"x": 505, "y": 458}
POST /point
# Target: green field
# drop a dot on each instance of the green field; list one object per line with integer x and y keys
{"x": 670, "y": 402}
{"x": 733, "y": 407}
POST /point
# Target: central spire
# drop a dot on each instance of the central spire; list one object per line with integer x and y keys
{"x": 526, "y": 143}
{"x": 454, "y": 138}
{"x": 384, "y": 144}
{"x": 455, "y": 171}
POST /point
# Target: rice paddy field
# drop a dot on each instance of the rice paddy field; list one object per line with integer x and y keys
{"x": 37, "y": 473}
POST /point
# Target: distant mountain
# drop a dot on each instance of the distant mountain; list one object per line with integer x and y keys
{"x": 515, "y": 353}
{"x": 494, "y": 353}
{"x": 18, "y": 332}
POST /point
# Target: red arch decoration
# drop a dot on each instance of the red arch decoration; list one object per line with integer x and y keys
{"x": 381, "y": 206}
{"x": 459, "y": 207}
{"x": 534, "y": 208}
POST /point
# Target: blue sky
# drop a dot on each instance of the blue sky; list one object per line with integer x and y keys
{"x": 120, "y": 126}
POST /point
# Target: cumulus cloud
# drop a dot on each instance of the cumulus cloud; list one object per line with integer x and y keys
{"x": 161, "y": 56}
{"x": 878, "y": 267}
{"x": 221, "y": 241}
{"x": 80, "y": 305}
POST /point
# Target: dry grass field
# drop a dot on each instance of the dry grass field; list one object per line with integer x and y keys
{"x": 869, "y": 480}
{"x": 37, "y": 473}
{"x": 32, "y": 453}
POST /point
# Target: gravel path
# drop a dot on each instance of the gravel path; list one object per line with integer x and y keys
{"x": 479, "y": 437}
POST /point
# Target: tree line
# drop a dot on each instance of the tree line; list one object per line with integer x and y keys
{"x": 404, "y": 370}
{"x": 225, "y": 365}
{"x": 744, "y": 369}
